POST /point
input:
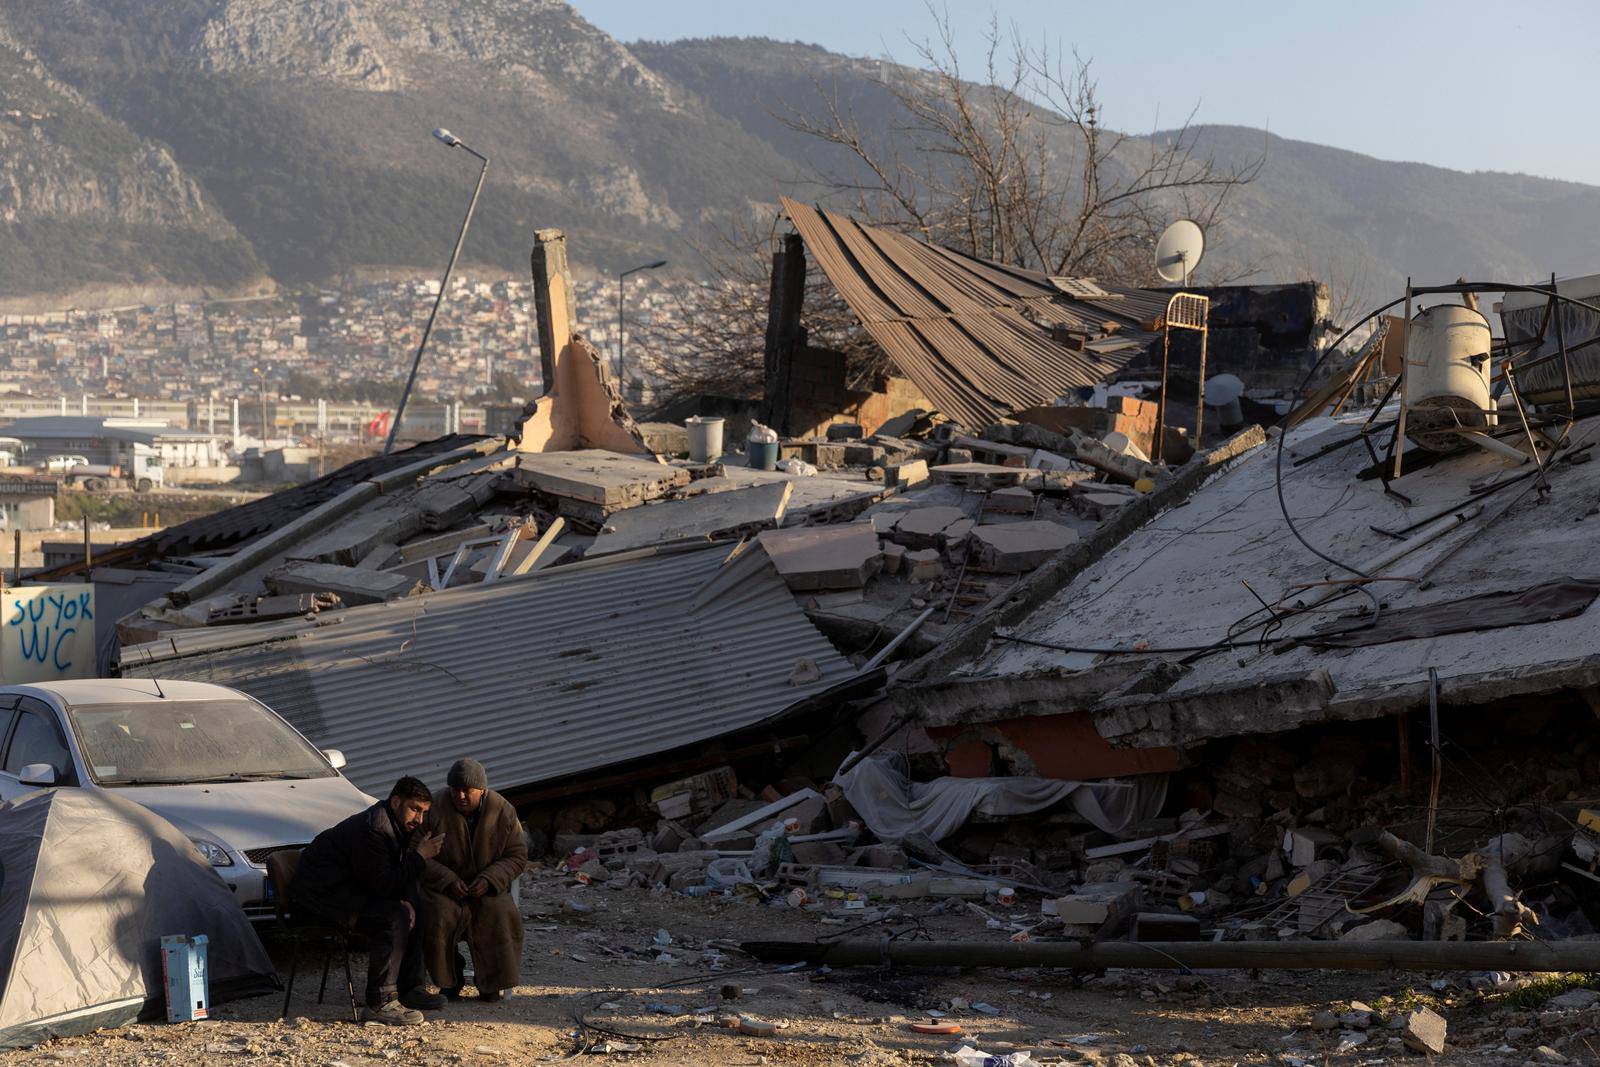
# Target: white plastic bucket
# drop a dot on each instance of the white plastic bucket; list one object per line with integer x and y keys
{"x": 705, "y": 437}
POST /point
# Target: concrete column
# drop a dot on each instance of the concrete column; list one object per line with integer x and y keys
{"x": 554, "y": 300}
{"x": 785, "y": 336}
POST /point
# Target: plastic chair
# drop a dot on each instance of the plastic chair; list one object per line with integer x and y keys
{"x": 281, "y": 866}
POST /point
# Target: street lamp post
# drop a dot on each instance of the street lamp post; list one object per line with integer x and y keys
{"x": 620, "y": 277}
{"x": 449, "y": 140}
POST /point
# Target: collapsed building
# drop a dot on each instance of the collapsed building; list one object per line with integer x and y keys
{"x": 965, "y": 638}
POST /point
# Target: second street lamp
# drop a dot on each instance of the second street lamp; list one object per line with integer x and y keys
{"x": 620, "y": 320}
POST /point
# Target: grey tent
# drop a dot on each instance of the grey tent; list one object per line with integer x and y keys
{"x": 89, "y": 884}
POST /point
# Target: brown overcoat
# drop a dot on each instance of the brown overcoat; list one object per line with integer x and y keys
{"x": 490, "y": 924}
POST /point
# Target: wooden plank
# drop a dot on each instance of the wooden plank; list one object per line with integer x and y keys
{"x": 527, "y": 562}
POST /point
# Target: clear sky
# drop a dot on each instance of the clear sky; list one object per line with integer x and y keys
{"x": 1511, "y": 86}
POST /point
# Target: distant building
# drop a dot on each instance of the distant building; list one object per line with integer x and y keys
{"x": 111, "y": 440}
{"x": 27, "y": 502}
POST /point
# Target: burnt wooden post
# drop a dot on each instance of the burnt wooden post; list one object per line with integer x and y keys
{"x": 785, "y": 336}
{"x": 553, "y": 299}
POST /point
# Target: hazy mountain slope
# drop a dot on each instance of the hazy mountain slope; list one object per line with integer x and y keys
{"x": 200, "y": 141}
{"x": 1328, "y": 210}
{"x": 308, "y": 121}
{"x": 86, "y": 202}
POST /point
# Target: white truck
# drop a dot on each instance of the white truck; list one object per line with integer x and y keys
{"x": 97, "y": 477}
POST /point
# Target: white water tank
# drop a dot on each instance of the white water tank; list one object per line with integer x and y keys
{"x": 1447, "y": 367}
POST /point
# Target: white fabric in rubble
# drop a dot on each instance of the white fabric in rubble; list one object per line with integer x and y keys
{"x": 895, "y": 808}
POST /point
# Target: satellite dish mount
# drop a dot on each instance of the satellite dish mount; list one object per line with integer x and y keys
{"x": 1178, "y": 253}
{"x": 1179, "y": 250}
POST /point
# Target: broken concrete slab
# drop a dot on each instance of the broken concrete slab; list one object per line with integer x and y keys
{"x": 955, "y": 535}
{"x": 824, "y": 557}
{"x": 1013, "y": 500}
{"x": 443, "y": 504}
{"x": 1098, "y": 506}
{"x": 1096, "y": 904}
{"x": 350, "y": 541}
{"x": 597, "y": 477}
{"x": 894, "y": 555}
{"x": 923, "y": 565}
{"x": 350, "y": 585}
{"x": 921, "y": 527}
{"x": 904, "y": 475}
{"x": 1003, "y": 455}
{"x": 1301, "y": 845}
{"x": 979, "y": 475}
{"x": 706, "y": 517}
{"x": 1015, "y": 547}
{"x": 833, "y": 601}
{"x": 441, "y": 544}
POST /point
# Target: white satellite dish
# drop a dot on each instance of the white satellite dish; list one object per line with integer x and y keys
{"x": 1223, "y": 389}
{"x": 1179, "y": 250}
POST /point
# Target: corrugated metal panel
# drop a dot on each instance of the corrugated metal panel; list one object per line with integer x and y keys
{"x": 539, "y": 678}
{"x": 953, "y": 324}
{"x": 233, "y": 526}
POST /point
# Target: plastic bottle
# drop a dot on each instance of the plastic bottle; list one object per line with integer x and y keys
{"x": 771, "y": 849}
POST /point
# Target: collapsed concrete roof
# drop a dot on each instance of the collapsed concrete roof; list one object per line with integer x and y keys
{"x": 1475, "y": 563}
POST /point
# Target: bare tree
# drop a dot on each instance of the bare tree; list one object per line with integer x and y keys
{"x": 1014, "y": 167}
{"x": 711, "y": 342}
{"x": 1343, "y": 272}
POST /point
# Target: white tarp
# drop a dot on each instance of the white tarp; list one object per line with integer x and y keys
{"x": 895, "y": 808}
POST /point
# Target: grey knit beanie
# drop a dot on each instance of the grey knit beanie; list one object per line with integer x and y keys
{"x": 468, "y": 773}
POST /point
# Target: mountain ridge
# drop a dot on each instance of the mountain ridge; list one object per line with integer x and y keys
{"x": 285, "y": 141}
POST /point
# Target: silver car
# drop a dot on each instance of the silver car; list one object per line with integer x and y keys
{"x": 230, "y": 774}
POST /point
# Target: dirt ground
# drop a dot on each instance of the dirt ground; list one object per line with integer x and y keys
{"x": 607, "y": 966}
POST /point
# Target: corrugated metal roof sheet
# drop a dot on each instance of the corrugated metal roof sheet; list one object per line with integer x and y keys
{"x": 561, "y": 672}
{"x": 952, "y": 323}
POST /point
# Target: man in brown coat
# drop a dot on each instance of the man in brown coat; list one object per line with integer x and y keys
{"x": 467, "y": 887}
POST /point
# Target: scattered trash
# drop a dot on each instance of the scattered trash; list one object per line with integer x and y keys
{"x": 967, "y": 1056}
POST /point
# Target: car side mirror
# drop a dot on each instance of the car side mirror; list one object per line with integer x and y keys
{"x": 37, "y": 774}
{"x": 334, "y": 757}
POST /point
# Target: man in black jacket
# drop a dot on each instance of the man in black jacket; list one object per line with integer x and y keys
{"x": 366, "y": 873}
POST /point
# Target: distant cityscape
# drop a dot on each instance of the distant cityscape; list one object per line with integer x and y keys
{"x": 272, "y": 360}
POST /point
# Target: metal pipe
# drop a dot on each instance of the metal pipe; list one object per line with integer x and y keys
{"x": 450, "y": 141}
{"x": 1194, "y": 955}
{"x": 899, "y": 639}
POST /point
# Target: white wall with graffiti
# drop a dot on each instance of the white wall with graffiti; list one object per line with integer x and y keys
{"x": 47, "y": 633}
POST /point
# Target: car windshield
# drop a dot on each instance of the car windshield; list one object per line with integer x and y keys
{"x": 167, "y": 742}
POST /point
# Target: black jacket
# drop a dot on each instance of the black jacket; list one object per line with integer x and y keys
{"x": 365, "y": 858}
